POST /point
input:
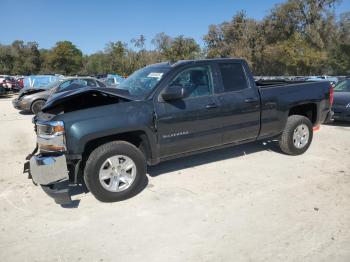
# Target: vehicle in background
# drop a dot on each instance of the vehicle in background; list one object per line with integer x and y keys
{"x": 33, "y": 99}
{"x": 165, "y": 111}
{"x": 39, "y": 81}
{"x": 19, "y": 83}
{"x": 112, "y": 80}
{"x": 6, "y": 84}
{"x": 9, "y": 82}
{"x": 331, "y": 79}
{"x": 341, "y": 106}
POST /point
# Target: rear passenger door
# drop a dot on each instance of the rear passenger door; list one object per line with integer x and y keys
{"x": 239, "y": 102}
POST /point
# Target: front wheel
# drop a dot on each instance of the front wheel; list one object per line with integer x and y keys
{"x": 37, "y": 105}
{"x": 114, "y": 171}
{"x": 297, "y": 135}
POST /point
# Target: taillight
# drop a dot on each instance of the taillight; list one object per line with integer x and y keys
{"x": 331, "y": 95}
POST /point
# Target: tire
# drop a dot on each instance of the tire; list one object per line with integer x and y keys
{"x": 296, "y": 125}
{"x": 37, "y": 105}
{"x": 96, "y": 166}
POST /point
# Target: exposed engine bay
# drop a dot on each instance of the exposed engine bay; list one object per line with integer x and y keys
{"x": 81, "y": 100}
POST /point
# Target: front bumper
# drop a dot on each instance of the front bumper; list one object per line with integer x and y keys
{"x": 51, "y": 173}
{"x": 20, "y": 104}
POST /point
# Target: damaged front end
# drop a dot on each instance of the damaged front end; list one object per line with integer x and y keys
{"x": 47, "y": 164}
{"x": 20, "y": 103}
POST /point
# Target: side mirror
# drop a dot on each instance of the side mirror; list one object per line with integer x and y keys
{"x": 173, "y": 93}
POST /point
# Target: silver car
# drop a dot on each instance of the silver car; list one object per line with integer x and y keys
{"x": 33, "y": 99}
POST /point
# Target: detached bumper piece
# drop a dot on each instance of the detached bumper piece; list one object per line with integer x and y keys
{"x": 59, "y": 192}
{"x": 51, "y": 173}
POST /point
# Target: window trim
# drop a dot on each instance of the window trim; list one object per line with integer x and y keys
{"x": 222, "y": 89}
{"x": 211, "y": 72}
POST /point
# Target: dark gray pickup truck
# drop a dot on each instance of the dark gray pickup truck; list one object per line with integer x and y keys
{"x": 164, "y": 111}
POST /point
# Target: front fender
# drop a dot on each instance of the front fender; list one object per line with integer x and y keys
{"x": 85, "y": 125}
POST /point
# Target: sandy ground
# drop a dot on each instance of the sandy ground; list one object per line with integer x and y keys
{"x": 247, "y": 203}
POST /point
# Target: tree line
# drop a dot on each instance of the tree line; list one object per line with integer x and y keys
{"x": 297, "y": 37}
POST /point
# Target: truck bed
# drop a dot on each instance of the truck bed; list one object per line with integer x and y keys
{"x": 278, "y": 96}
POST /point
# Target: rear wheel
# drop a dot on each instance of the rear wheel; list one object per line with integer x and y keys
{"x": 297, "y": 135}
{"x": 114, "y": 171}
{"x": 37, "y": 105}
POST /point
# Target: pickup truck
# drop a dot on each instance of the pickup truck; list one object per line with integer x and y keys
{"x": 106, "y": 137}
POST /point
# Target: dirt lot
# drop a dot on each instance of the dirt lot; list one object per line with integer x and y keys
{"x": 248, "y": 203}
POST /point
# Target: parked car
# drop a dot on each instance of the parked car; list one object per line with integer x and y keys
{"x": 19, "y": 84}
{"x": 341, "y": 106}
{"x": 7, "y": 84}
{"x": 33, "y": 99}
{"x": 113, "y": 80}
{"x": 331, "y": 79}
{"x": 166, "y": 111}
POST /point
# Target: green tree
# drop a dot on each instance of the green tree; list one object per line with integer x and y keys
{"x": 26, "y": 58}
{"x": 182, "y": 48}
{"x": 97, "y": 63}
{"x": 6, "y": 60}
{"x": 295, "y": 56}
{"x": 65, "y": 58}
{"x": 340, "y": 50}
{"x": 117, "y": 52}
{"x": 241, "y": 37}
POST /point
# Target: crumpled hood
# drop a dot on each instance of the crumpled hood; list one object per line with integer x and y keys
{"x": 56, "y": 99}
{"x": 29, "y": 91}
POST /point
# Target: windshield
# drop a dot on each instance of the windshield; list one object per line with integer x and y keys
{"x": 343, "y": 86}
{"x": 53, "y": 84}
{"x": 143, "y": 81}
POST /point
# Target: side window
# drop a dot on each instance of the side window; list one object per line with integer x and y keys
{"x": 233, "y": 77}
{"x": 65, "y": 84}
{"x": 197, "y": 81}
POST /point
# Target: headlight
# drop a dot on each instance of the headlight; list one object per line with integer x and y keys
{"x": 50, "y": 136}
{"x": 48, "y": 129}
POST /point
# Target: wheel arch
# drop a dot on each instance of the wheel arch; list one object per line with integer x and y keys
{"x": 308, "y": 110}
{"x": 138, "y": 138}
{"x": 36, "y": 100}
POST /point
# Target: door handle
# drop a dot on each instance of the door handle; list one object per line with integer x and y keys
{"x": 211, "y": 105}
{"x": 251, "y": 100}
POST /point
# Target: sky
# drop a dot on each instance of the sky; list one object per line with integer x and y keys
{"x": 91, "y": 24}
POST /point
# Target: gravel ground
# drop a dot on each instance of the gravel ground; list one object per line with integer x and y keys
{"x": 246, "y": 203}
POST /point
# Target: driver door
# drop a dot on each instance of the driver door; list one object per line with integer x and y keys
{"x": 191, "y": 123}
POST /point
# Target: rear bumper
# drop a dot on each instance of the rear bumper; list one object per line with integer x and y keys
{"x": 51, "y": 173}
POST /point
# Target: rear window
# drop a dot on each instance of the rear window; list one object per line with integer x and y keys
{"x": 233, "y": 77}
